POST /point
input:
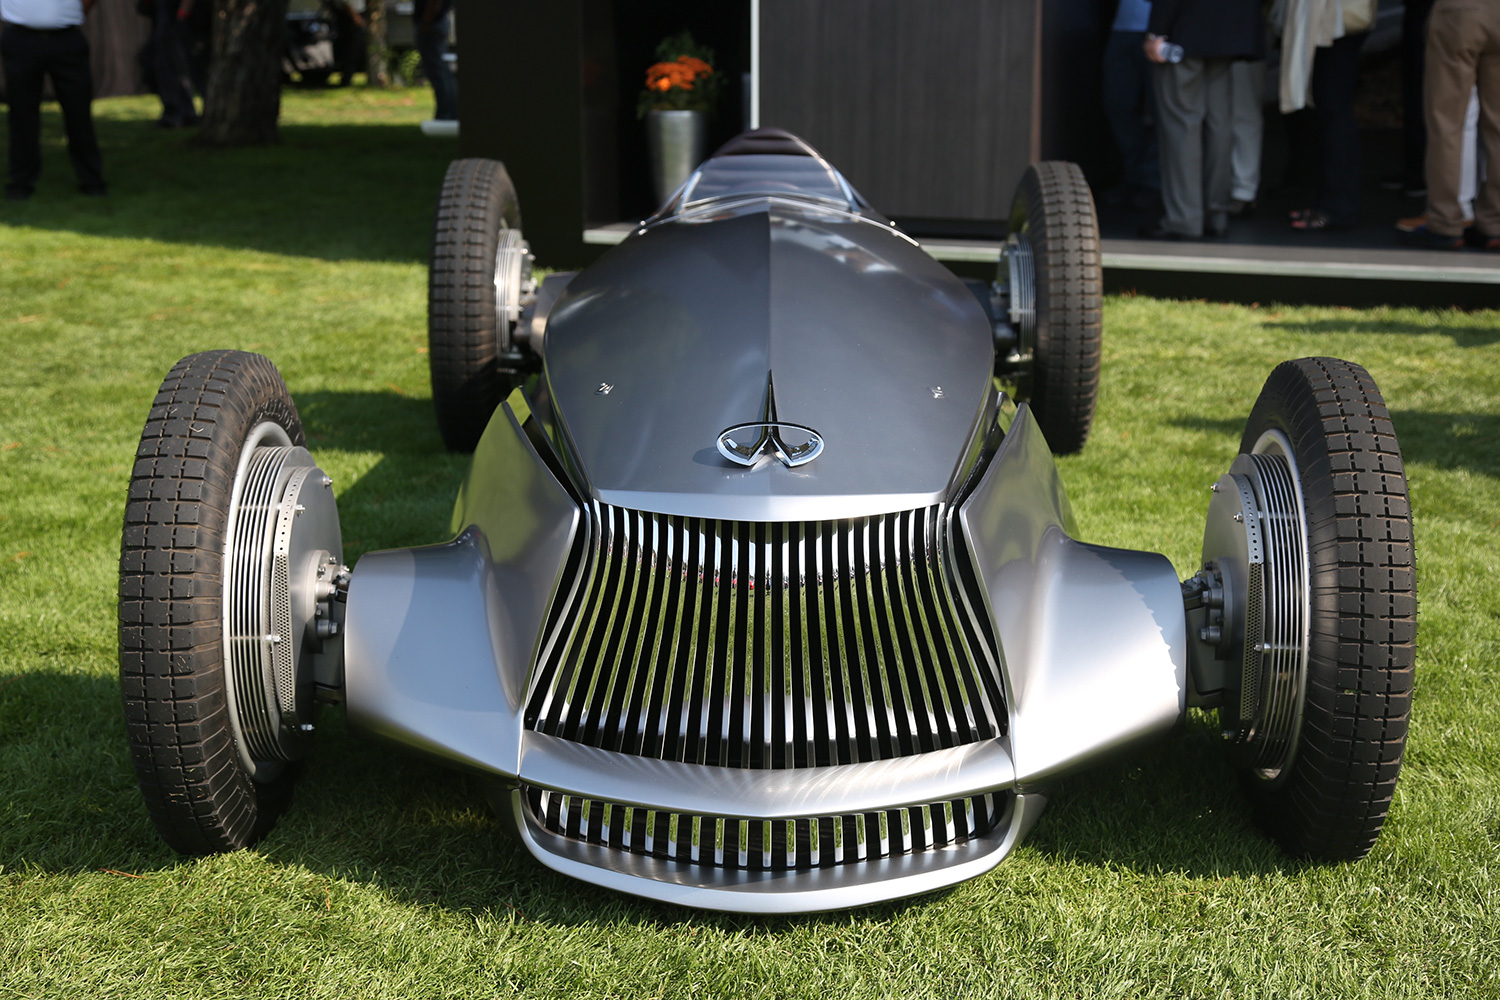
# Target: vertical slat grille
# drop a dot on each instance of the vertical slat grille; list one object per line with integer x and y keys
{"x": 767, "y": 645}
{"x": 767, "y": 845}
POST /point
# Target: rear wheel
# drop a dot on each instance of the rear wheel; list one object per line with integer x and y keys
{"x": 1055, "y": 242}
{"x": 480, "y": 272}
{"x": 229, "y": 565}
{"x": 1320, "y": 717}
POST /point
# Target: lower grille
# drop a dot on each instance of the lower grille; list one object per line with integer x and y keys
{"x": 766, "y": 645}
{"x": 766, "y": 845}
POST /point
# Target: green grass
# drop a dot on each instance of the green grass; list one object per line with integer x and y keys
{"x": 388, "y": 878}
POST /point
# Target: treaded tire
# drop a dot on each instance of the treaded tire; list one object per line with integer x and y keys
{"x": 1054, "y": 208}
{"x": 198, "y": 792}
{"x": 464, "y": 333}
{"x": 1363, "y": 603}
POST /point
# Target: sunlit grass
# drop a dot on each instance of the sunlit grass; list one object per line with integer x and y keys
{"x": 389, "y": 879}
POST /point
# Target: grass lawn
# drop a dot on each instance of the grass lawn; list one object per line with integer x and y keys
{"x": 388, "y": 878}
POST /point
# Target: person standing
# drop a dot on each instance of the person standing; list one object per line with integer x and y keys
{"x": 1130, "y": 105}
{"x": 42, "y": 39}
{"x": 174, "y": 79}
{"x": 1194, "y": 108}
{"x": 434, "y": 21}
{"x": 1463, "y": 50}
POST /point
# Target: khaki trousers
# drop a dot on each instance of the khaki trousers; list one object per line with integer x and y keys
{"x": 1463, "y": 49}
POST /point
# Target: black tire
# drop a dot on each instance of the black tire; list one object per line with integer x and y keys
{"x": 199, "y": 794}
{"x": 1332, "y": 800}
{"x": 1054, "y": 209}
{"x": 466, "y": 337}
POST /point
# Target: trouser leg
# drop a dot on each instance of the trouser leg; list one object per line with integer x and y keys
{"x": 1247, "y": 86}
{"x": 1413, "y": 126}
{"x": 432, "y": 42}
{"x": 1180, "y": 102}
{"x": 1128, "y": 101}
{"x": 1452, "y": 63}
{"x": 73, "y": 82}
{"x": 1487, "y": 200}
{"x": 1335, "y": 79}
{"x": 1218, "y": 144}
{"x": 173, "y": 76}
{"x": 23, "y": 90}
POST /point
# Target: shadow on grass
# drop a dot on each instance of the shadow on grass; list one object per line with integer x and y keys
{"x": 1445, "y": 440}
{"x": 1464, "y": 330}
{"x": 368, "y": 813}
{"x": 1174, "y": 807}
{"x": 336, "y": 192}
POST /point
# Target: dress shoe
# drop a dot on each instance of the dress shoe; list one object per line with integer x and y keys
{"x": 14, "y": 193}
{"x": 1156, "y": 231}
{"x": 1425, "y": 239}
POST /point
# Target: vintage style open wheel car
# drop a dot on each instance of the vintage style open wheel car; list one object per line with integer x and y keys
{"x": 763, "y": 593}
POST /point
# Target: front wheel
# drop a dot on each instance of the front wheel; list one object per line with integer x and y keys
{"x": 230, "y": 563}
{"x": 1319, "y": 694}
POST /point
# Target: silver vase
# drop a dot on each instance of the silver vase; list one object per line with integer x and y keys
{"x": 676, "y": 140}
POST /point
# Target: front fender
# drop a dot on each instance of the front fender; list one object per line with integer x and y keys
{"x": 1092, "y": 639}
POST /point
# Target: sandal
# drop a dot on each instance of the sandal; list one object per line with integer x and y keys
{"x": 1314, "y": 220}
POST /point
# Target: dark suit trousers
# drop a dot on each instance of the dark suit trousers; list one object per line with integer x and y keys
{"x": 29, "y": 57}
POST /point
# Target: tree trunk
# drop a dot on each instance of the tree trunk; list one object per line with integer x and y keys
{"x": 244, "y": 79}
{"x": 379, "y": 56}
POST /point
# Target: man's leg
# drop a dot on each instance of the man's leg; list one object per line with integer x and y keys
{"x": 1452, "y": 58}
{"x": 73, "y": 82}
{"x": 1179, "y": 113}
{"x": 432, "y": 42}
{"x": 173, "y": 77}
{"x": 1218, "y": 145}
{"x": 1127, "y": 95}
{"x": 23, "y": 89}
{"x": 1247, "y": 87}
{"x": 1335, "y": 79}
{"x": 1487, "y": 201}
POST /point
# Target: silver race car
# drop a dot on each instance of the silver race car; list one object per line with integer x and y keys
{"x": 763, "y": 593}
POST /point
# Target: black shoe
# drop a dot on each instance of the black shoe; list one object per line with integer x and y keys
{"x": 94, "y": 190}
{"x": 1410, "y": 187}
{"x": 1426, "y": 239}
{"x": 1156, "y": 231}
{"x": 1242, "y": 209}
{"x": 17, "y": 193}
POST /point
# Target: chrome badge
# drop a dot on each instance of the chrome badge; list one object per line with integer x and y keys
{"x": 794, "y": 444}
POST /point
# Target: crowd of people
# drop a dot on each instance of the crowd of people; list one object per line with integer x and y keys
{"x": 43, "y": 40}
{"x": 1184, "y": 84}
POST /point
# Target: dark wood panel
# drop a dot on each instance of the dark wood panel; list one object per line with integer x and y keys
{"x": 521, "y": 101}
{"x": 926, "y": 105}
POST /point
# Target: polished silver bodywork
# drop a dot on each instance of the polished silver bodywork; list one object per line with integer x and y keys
{"x": 764, "y": 687}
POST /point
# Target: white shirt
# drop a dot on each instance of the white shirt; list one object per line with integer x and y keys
{"x": 43, "y": 14}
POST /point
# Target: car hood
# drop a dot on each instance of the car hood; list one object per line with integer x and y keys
{"x": 835, "y": 323}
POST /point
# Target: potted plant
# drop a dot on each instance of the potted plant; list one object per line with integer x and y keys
{"x": 681, "y": 90}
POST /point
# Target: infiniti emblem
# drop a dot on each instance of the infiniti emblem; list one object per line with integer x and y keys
{"x": 793, "y": 444}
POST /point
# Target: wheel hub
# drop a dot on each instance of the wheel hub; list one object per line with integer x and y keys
{"x": 513, "y": 280}
{"x": 1251, "y": 606}
{"x": 1018, "y": 267}
{"x": 283, "y": 561}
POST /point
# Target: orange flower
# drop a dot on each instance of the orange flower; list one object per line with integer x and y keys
{"x": 678, "y": 75}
